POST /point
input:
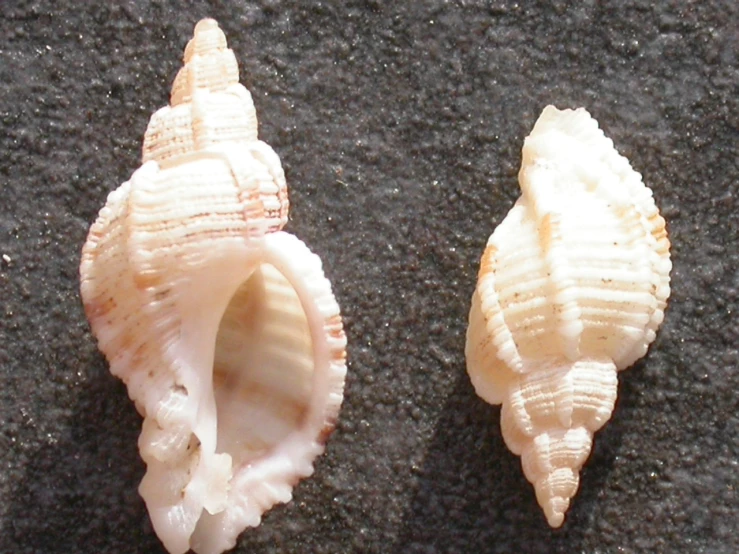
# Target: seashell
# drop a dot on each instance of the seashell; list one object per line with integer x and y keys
{"x": 222, "y": 326}
{"x": 572, "y": 287}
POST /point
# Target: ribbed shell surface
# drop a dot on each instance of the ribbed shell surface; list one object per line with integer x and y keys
{"x": 223, "y": 327}
{"x": 572, "y": 287}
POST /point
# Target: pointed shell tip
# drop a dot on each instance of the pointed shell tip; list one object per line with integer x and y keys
{"x": 205, "y": 24}
{"x": 556, "y": 520}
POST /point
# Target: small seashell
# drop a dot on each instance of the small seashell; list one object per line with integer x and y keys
{"x": 572, "y": 287}
{"x": 222, "y": 326}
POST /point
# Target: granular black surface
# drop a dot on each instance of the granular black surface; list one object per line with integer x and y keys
{"x": 400, "y": 126}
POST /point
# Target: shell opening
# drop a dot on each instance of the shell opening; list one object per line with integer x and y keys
{"x": 263, "y": 367}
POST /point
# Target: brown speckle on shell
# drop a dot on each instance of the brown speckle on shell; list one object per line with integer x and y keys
{"x": 572, "y": 287}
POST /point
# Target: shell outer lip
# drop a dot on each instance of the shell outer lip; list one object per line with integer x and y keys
{"x": 271, "y": 478}
{"x": 293, "y": 457}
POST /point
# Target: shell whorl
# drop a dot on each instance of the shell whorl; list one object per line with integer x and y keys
{"x": 572, "y": 288}
{"x": 223, "y": 327}
{"x": 212, "y": 112}
{"x": 208, "y": 64}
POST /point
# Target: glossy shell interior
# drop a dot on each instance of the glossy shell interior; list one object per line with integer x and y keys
{"x": 223, "y": 326}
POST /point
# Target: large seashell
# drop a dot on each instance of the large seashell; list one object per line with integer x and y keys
{"x": 222, "y": 326}
{"x": 572, "y": 287}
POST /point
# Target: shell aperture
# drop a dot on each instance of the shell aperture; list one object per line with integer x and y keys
{"x": 222, "y": 325}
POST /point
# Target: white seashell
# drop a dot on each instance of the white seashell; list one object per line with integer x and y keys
{"x": 223, "y": 327}
{"x": 572, "y": 287}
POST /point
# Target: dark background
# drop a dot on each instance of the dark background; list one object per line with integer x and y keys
{"x": 400, "y": 128}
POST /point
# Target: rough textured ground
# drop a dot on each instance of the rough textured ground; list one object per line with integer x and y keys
{"x": 400, "y": 129}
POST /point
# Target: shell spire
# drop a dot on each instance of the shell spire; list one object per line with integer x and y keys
{"x": 572, "y": 287}
{"x": 208, "y": 64}
{"x": 222, "y": 326}
{"x": 211, "y": 113}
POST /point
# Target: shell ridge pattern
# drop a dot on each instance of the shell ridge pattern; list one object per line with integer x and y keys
{"x": 224, "y": 328}
{"x": 166, "y": 438}
{"x": 577, "y": 276}
{"x": 642, "y": 247}
{"x": 549, "y": 214}
{"x": 654, "y": 233}
{"x": 494, "y": 317}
